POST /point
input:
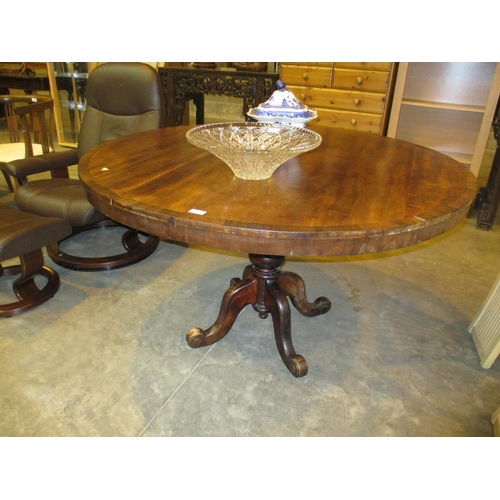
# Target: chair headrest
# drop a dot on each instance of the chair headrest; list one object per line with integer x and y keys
{"x": 110, "y": 86}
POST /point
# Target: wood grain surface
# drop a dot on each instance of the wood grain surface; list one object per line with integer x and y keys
{"x": 356, "y": 193}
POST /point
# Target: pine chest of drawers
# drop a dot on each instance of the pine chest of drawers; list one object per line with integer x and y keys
{"x": 350, "y": 95}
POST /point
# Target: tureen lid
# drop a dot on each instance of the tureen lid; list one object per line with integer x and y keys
{"x": 282, "y": 101}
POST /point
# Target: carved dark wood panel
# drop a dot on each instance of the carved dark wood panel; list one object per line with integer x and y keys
{"x": 183, "y": 84}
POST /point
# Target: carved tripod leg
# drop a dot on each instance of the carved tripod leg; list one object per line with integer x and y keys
{"x": 277, "y": 303}
{"x": 293, "y": 286}
{"x": 238, "y": 296}
{"x": 267, "y": 289}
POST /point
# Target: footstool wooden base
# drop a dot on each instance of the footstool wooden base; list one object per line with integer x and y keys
{"x": 24, "y": 235}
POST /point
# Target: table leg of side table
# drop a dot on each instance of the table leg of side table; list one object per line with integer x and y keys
{"x": 266, "y": 287}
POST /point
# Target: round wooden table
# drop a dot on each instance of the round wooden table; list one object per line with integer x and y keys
{"x": 356, "y": 193}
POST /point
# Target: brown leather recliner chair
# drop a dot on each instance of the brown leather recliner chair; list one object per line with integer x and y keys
{"x": 122, "y": 99}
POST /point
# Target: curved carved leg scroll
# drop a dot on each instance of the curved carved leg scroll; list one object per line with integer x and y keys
{"x": 266, "y": 288}
{"x": 294, "y": 287}
{"x": 280, "y": 312}
{"x": 235, "y": 299}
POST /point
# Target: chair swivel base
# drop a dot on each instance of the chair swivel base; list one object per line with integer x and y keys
{"x": 25, "y": 288}
{"x": 136, "y": 250}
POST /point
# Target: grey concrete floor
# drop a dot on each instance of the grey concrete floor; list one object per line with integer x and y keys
{"x": 107, "y": 356}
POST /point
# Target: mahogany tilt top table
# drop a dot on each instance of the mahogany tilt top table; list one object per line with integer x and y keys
{"x": 356, "y": 193}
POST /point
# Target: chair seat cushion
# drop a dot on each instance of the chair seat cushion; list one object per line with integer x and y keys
{"x": 22, "y": 233}
{"x": 63, "y": 198}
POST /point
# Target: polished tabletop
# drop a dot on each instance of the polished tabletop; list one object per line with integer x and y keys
{"x": 356, "y": 193}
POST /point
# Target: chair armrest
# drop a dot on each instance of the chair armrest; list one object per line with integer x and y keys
{"x": 41, "y": 163}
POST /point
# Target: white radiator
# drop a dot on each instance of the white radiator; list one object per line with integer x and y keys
{"x": 495, "y": 420}
{"x": 485, "y": 327}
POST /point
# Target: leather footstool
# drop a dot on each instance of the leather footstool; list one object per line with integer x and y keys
{"x": 24, "y": 235}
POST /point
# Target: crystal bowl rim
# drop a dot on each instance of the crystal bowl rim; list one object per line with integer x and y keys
{"x": 226, "y": 125}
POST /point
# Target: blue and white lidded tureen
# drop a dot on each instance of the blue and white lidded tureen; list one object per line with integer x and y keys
{"x": 284, "y": 108}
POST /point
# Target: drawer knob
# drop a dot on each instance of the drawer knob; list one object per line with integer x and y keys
{"x": 356, "y": 102}
{"x": 353, "y": 122}
{"x": 359, "y": 80}
{"x": 303, "y": 97}
{"x": 305, "y": 76}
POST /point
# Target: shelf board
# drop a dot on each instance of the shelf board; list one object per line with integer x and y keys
{"x": 442, "y": 105}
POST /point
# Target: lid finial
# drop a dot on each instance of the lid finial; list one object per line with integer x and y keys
{"x": 280, "y": 85}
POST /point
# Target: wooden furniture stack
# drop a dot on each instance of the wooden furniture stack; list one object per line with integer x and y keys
{"x": 348, "y": 95}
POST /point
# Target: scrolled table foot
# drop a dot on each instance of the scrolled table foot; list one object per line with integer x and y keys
{"x": 196, "y": 338}
{"x": 323, "y": 304}
{"x": 298, "y": 366}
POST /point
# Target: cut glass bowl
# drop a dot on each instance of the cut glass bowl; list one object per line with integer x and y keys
{"x": 253, "y": 151}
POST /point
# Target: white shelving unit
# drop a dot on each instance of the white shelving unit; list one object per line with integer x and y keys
{"x": 446, "y": 106}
